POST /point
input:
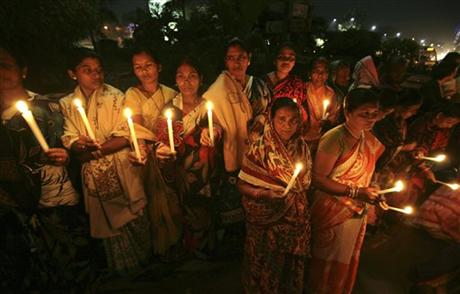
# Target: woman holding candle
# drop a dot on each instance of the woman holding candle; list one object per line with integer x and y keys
{"x": 323, "y": 108}
{"x": 192, "y": 170}
{"x": 278, "y": 226}
{"x": 342, "y": 173}
{"x": 113, "y": 189}
{"x": 240, "y": 103}
{"x": 36, "y": 181}
{"x": 148, "y": 98}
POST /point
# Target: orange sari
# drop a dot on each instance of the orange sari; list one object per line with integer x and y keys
{"x": 339, "y": 223}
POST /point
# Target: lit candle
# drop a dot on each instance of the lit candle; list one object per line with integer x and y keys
{"x": 405, "y": 210}
{"x": 326, "y": 103}
{"x": 169, "y": 114}
{"x": 128, "y": 114}
{"x": 29, "y": 118}
{"x": 81, "y": 110}
{"x": 439, "y": 158}
{"x": 399, "y": 186}
{"x": 298, "y": 168}
{"x": 453, "y": 186}
{"x": 295, "y": 100}
{"x": 209, "y": 106}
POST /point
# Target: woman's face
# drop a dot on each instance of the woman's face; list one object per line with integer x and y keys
{"x": 319, "y": 74}
{"x": 285, "y": 60}
{"x": 89, "y": 74}
{"x": 10, "y": 72}
{"x": 286, "y": 122}
{"x": 363, "y": 117}
{"x": 145, "y": 68}
{"x": 188, "y": 80}
{"x": 237, "y": 61}
{"x": 342, "y": 76}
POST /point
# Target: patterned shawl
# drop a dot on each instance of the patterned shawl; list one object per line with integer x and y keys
{"x": 269, "y": 164}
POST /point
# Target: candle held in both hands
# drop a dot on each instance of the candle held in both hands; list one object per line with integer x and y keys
{"x": 298, "y": 168}
{"x": 209, "y": 107}
{"x": 29, "y": 118}
{"x": 128, "y": 114}
{"x": 77, "y": 102}
{"x": 169, "y": 115}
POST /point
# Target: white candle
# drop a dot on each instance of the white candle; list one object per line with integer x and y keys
{"x": 326, "y": 103}
{"x": 169, "y": 114}
{"x": 128, "y": 114}
{"x": 29, "y": 118}
{"x": 439, "y": 158}
{"x": 81, "y": 110}
{"x": 453, "y": 186}
{"x": 399, "y": 186}
{"x": 298, "y": 168}
{"x": 405, "y": 210}
{"x": 209, "y": 106}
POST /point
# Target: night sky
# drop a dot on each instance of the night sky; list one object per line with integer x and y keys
{"x": 428, "y": 19}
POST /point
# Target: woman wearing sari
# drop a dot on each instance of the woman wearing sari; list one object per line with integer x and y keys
{"x": 112, "y": 187}
{"x": 278, "y": 226}
{"x": 240, "y": 102}
{"x": 342, "y": 172}
{"x": 319, "y": 118}
{"x": 282, "y": 83}
{"x": 191, "y": 171}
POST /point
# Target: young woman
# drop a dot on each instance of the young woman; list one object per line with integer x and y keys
{"x": 112, "y": 186}
{"x": 342, "y": 172}
{"x": 278, "y": 226}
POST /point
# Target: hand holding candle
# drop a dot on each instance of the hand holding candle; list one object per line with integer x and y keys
{"x": 77, "y": 102}
{"x": 128, "y": 114}
{"x": 209, "y": 106}
{"x": 453, "y": 186}
{"x": 399, "y": 186}
{"x": 405, "y": 210}
{"x": 298, "y": 168}
{"x": 326, "y": 103}
{"x": 29, "y": 118}
{"x": 169, "y": 115}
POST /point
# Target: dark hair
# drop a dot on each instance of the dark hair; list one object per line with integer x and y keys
{"x": 284, "y": 45}
{"x": 78, "y": 54}
{"x": 410, "y": 97}
{"x": 319, "y": 60}
{"x": 15, "y": 53}
{"x": 443, "y": 69}
{"x": 338, "y": 64}
{"x": 388, "y": 99}
{"x": 283, "y": 102}
{"x": 237, "y": 42}
{"x": 149, "y": 51}
{"x": 188, "y": 60}
{"x": 448, "y": 109}
{"x": 452, "y": 57}
{"x": 358, "y": 97}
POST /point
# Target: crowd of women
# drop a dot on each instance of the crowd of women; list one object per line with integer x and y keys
{"x": 220, "y": 188}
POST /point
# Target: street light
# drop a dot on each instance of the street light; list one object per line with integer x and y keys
{"x": 373, "y": 28}
{"x": 398, "y": 34}
{"x": 352, "y": 19}
{"x": 334, "y": 20}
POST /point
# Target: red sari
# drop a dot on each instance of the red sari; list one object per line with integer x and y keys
{"x": 278, "y": 230}
{"x": 339, "y": 223}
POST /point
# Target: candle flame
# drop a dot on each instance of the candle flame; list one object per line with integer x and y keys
{"x": 168, "y": 114}
{"x": 440, "y": 157}
{"x": 408, "y": 210}
{"x": 128, "y": 112}
{"x": 77, "y": 102}
{"x": 209, "y": 105}
{"x": 295, "y": 100}
{"x": 22, "y": 106}
{"x": 399, "y": 186}
{"x": 298, "y": 167}
{"x": 326, "y": 103}
{"x": 454, "y": 186}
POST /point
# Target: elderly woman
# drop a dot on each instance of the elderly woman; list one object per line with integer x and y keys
{"x": 240, "y": 101}
{"x": 112, "y": 186}
{"x": 278, "y": 225}
{"x": 342, "y": 173}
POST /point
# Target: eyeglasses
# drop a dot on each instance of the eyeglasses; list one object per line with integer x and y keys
{"x": 285, "y": 58}
{"x": 241, "y": 57}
